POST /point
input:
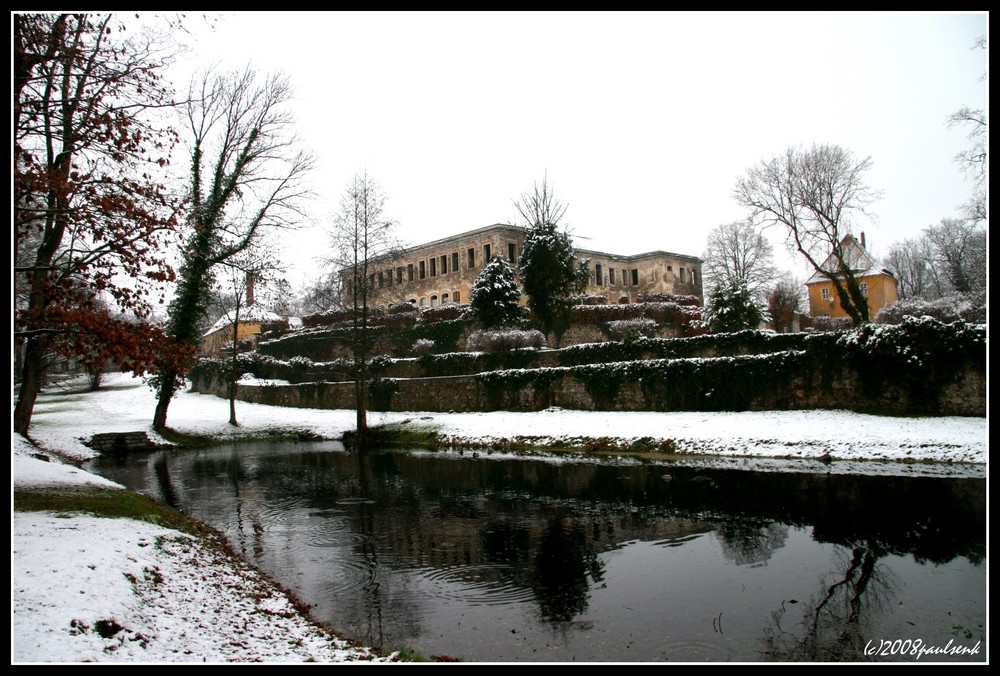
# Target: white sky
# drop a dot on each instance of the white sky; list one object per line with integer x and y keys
{"x": 69, "y": 572}
{"x": 643, "y": 121}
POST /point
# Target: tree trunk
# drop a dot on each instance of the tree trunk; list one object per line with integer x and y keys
{"x": 31, "y": 384}
{"x": 163, "y": 398}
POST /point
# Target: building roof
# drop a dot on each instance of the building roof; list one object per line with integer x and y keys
{"x": 857, "y": 258}
{"x": 520, "y": 230}
{"x": 251, "y": 314}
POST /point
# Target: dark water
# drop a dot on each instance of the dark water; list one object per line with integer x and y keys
{"x": 506, "y": 559}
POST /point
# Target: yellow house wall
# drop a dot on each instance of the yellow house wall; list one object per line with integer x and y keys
{"x": 881, "y": 292}
{"x": 213, "y": 342}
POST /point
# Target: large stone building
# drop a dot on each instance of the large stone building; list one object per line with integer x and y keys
{"x": 444, "y": 270}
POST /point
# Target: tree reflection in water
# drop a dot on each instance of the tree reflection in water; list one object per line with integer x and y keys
{"x": 562, "y": 566}
{"x": 839, "y": 620}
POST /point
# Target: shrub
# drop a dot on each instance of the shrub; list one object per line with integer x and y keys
{"x": 503, "y": 340}
{"x": 422, "y": 346}
{"x": 629, "y": 329}
{"x": 948, "y": 309}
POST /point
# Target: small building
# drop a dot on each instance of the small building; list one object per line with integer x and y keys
{"x": 253, "y": 320}
{"x": 443, "y": 271}
{"x": 877, "y": 283}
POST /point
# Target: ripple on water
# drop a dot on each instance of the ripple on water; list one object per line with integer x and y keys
{"x": 480, "y": 584}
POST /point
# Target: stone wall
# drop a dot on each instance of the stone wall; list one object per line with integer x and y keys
{"x": 808, "y": 389}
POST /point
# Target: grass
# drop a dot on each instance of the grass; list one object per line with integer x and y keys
{"x": 110, "y": 503}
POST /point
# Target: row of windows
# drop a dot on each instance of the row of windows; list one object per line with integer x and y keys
{"x": 824, "y": 292}
{"x": 631, "y": 277}
{"x": 437, "y": 266}
{"x": 444, "y": 300}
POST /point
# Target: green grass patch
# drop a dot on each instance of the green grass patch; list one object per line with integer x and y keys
{"x": 399, "y": 434}
{"x": 109, "y": 503}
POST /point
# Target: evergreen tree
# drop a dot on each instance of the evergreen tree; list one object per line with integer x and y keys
{"x": 549, "y": 275}
{"x": 494, "y": 295}
{"x": 733, "y": 308}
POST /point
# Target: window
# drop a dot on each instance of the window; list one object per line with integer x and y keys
{"x": 611, "y": 276}
{"x": 486, "y": 254}
{"x": 434, "y": 267}
{"x": 457, "y": 297}
{"x": 423, "y": 302}
{"x": 434, "y": 301}
{"x": 444, "y": 264}
{"x": 824, "y": 293}
{"x": 683, "y": 280}
{"x": 670, "y": 268}
{"x": 635, "y": 278}
{"x": 863, "y": 286}
{"x": 599, "y": 274}
{"x": 471, "y": 254}
{"x": 423, "y": 271}
{"x": 444, "y": 299}
{"x": 399, "y": 275}
{"x": 454, "y": 262}
{"x": 694, "y": 277}
{"x": 409, "y": 272}
{"x": 511, "y": 250}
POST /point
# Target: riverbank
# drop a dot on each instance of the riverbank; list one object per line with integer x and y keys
{"x": 88, "y": 589}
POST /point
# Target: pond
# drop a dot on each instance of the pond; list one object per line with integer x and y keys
{"x": 494, "y": 558}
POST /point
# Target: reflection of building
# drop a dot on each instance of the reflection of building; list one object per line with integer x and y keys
{"x": 877, "y": 283}
{"x": 444, "y": 270}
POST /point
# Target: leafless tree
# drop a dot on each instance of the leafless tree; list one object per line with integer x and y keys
{"x": 244, "y": 278}
{"x": 248, "y": 175}
{"x": 364, "y": 245}
{"x": 911, "y": 263}
{"x": 784, "y": 301}
{"x": 974, "y": 159}
{"x": 815, "y": 194}
{"x": 958, "y": 249}
{"x": 738, "y": 255}
{"x": 540, "y": 206}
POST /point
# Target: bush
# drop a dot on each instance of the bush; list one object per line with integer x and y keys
{"x": 588, "y": 300}
{"x": 827, "y": 324}
{"x": 422, "y": 346}
{"x": 948, "y": 309}
{"x": 690, "y": 301}
{"x": 630, "y": 329}
{"x": 502, "y": 341}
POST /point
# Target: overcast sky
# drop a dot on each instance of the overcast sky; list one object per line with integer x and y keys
{"x": 642, "y": 121}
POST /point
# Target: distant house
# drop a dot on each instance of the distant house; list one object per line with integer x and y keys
{"x": 877, "y": 283}
{"x": 253, "y": 320}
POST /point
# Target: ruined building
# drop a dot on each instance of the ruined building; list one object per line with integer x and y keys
{"x": 444, "y": 270}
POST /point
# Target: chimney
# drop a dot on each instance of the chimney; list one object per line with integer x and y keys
{"x": 863, "y": 240}
{"x": 249, "y": 289}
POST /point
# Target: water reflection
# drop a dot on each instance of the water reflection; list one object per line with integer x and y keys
{"x": 505, "y": 559}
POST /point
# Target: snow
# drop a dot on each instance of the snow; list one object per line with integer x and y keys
{"x": 170, "y": 598}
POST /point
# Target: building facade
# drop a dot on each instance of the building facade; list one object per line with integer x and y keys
{"x": 443, "y": 271}
{"x": 877, "y": 284}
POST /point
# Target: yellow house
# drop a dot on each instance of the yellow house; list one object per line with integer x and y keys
{"x": 253, "y": 320}
{"x": 877, "y": 283}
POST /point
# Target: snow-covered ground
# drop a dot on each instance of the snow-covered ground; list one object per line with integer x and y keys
{"x": 92, "y": 589}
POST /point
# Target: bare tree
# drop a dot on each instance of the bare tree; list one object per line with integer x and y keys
{"x": 958, "y": 249}
{"x": 815, "y": 195}
{"x": 911, "y": 263}
{"x": 738, "y": 255}
{"x": 364, "y": 243}
{"x": 540, "y": 206}
{"x": 784, "y": 302}
{"x": 247, "y": 176}
{"x": 974, "y": 159}
{"x": 244, "y": 278}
